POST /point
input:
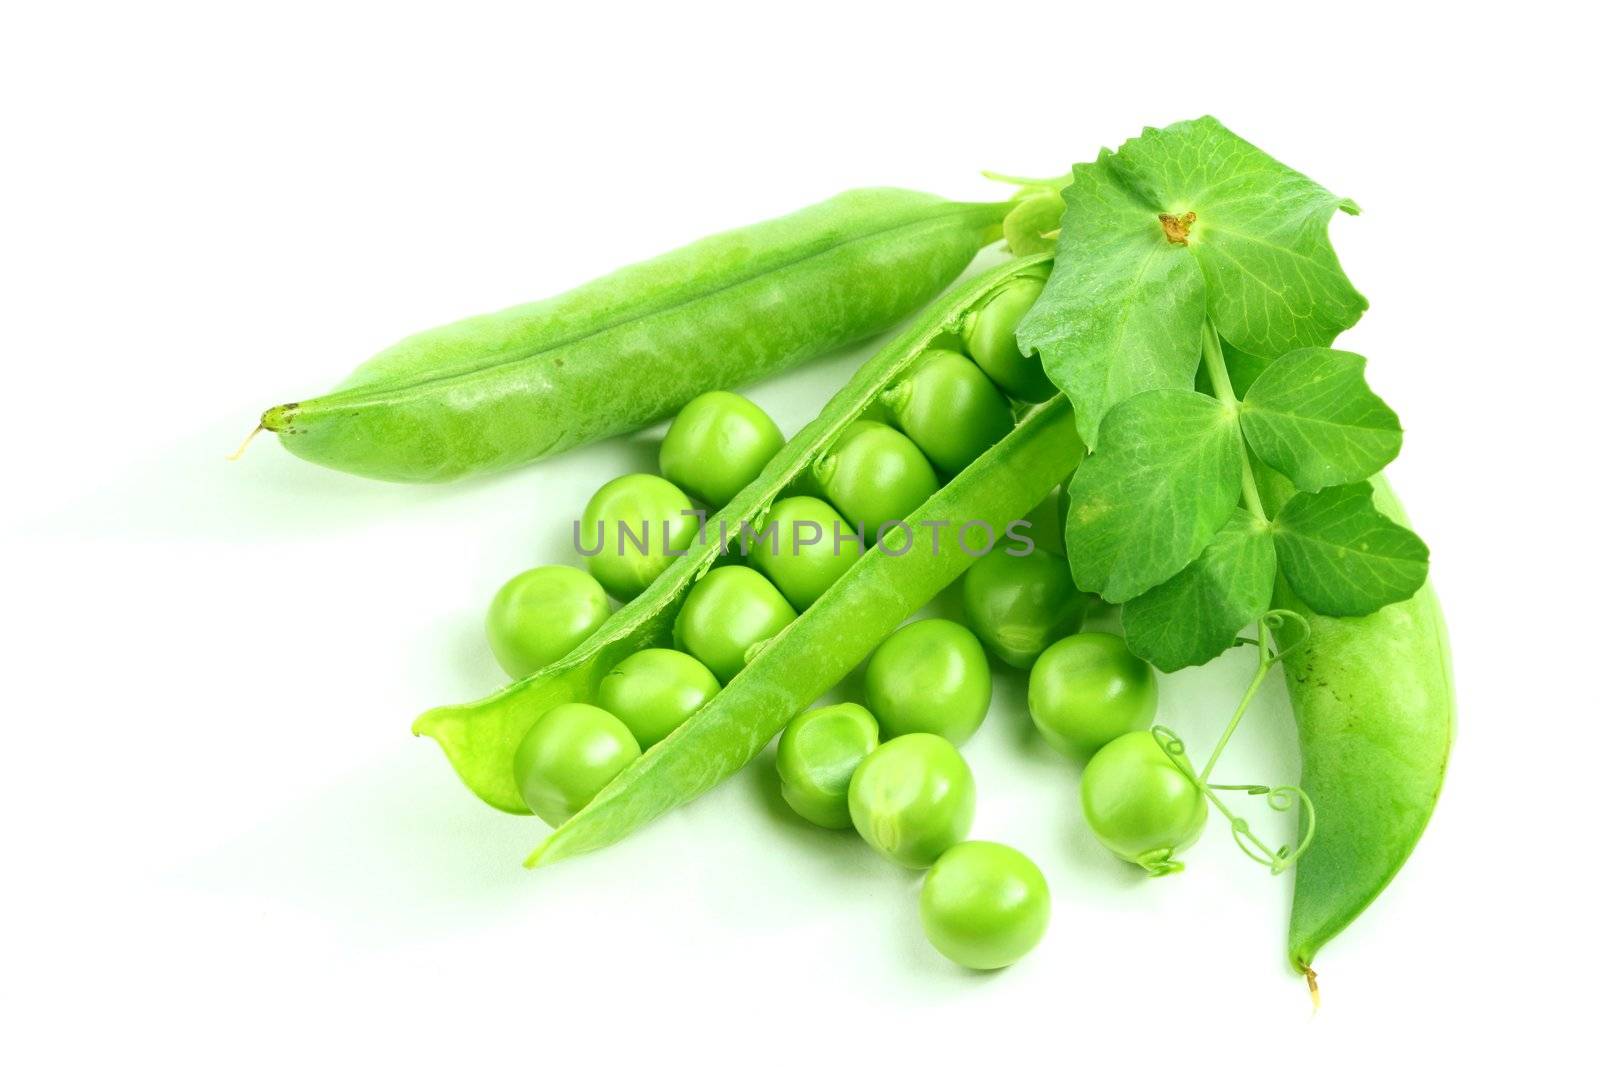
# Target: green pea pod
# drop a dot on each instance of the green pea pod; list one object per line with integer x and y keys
{"x": 788, "y": 672}
{"x": 629, "y": 349}
{"x": 1374, "y": 705}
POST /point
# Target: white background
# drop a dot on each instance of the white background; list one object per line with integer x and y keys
{"x": 222, "y": 844}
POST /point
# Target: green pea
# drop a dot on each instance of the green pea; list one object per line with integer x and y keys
{"x": 804, "y": 546}
{"x": 875, "y": 476}
{"x": 1086, "y": 690}
{"x": 990, "y": 335}
{"x": 1140, "y": 805}
{"x": 1019, "y": 605}
{"x": 819, "y": 751}
{"x": 632, "y": 530}
{"x": 541, "y": 615}
{"x": 950, "y": 410}
{"x": 570, "y": 754}
{"x": 984, "y": 905}
{"x": 930, "y": 677}
{"x": 654, "y": 691}
{"x": 717, "y": 445}
{"x": 912, "y": 798}
{"x": 726, "y": 615}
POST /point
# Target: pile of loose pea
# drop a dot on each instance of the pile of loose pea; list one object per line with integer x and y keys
{"x": 892, "y": 768}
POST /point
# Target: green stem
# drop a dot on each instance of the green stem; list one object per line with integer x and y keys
{"x": 1217, "y": 368}
{"x": 1264, "y": 665}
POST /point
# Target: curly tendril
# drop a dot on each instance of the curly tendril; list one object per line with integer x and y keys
{"x": 1280, "y": 798}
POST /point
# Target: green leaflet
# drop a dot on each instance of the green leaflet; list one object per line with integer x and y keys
{"x": 1178, "y": 225}
{"x": 1342, "y": 557}
{"x": 1123, "y": 308}
{"x": 1311, "y": 416}
{"x": 1195, "y": 616}
{"x": 1166, "y": 478}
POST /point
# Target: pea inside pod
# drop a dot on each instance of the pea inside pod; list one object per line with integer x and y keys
{"x": 989, "y": 333}
{"x": 654, "y": 691}
{"x": 726, "y": 615}
{"x": 876, "y": 477}
{"x": 804, "y": 546}
{"x": 805, "y": 658}
{"x": 950, "y": 409}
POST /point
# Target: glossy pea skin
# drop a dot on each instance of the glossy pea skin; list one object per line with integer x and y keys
{"x": 950, "y": 410}
{"x": 728, "y": 613}
{"x": 834, "y": 637}
{"x": 1086, "y": 690}
{"x": 717, "y": 445}
{"x": 989, "y": 333}
{"x": 570, "y": 754}
{"x": 818, "y": 753}
{"x": 930, "y": 677}
{"x": 655, "y": 690}
{"x": 984, "y": 905}
{"x": 875, "y": 476}
{"x": 630, "y": 349}
{"x": 804, "y": 547}
{"x": 541, "y": 615}
{"x": 1139, "y": 804}
{"x": 629, "y": 512}
{"x": 1020, "y": 605}
{"x": 912, "y": 798}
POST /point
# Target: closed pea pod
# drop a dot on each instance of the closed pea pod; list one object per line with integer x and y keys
{"x": 1375, "y": 710}
{"x": 950, "y": 409}
{"x": 629, "y": 349}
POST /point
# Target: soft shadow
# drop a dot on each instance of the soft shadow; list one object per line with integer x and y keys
{"x": 394, "y": 852}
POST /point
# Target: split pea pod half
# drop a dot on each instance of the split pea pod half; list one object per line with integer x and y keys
{"x": 1375, "y": 710}
{"x": 629, "y": 349}
{"x": 904, "y": 570}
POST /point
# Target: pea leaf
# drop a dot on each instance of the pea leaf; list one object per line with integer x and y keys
{"x": 1122, "y": 310}
{"x": 1342, "y": 556}
{"x": 1166, "y": 477}
{"x": 1243, "y": 370}
{"x": 1311, "y": 416}
{"x": 1194, "y": 616}
{"x": 1178, "y": 224}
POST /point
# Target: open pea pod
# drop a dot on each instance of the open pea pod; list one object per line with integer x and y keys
{"x": 831, "y": 637}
